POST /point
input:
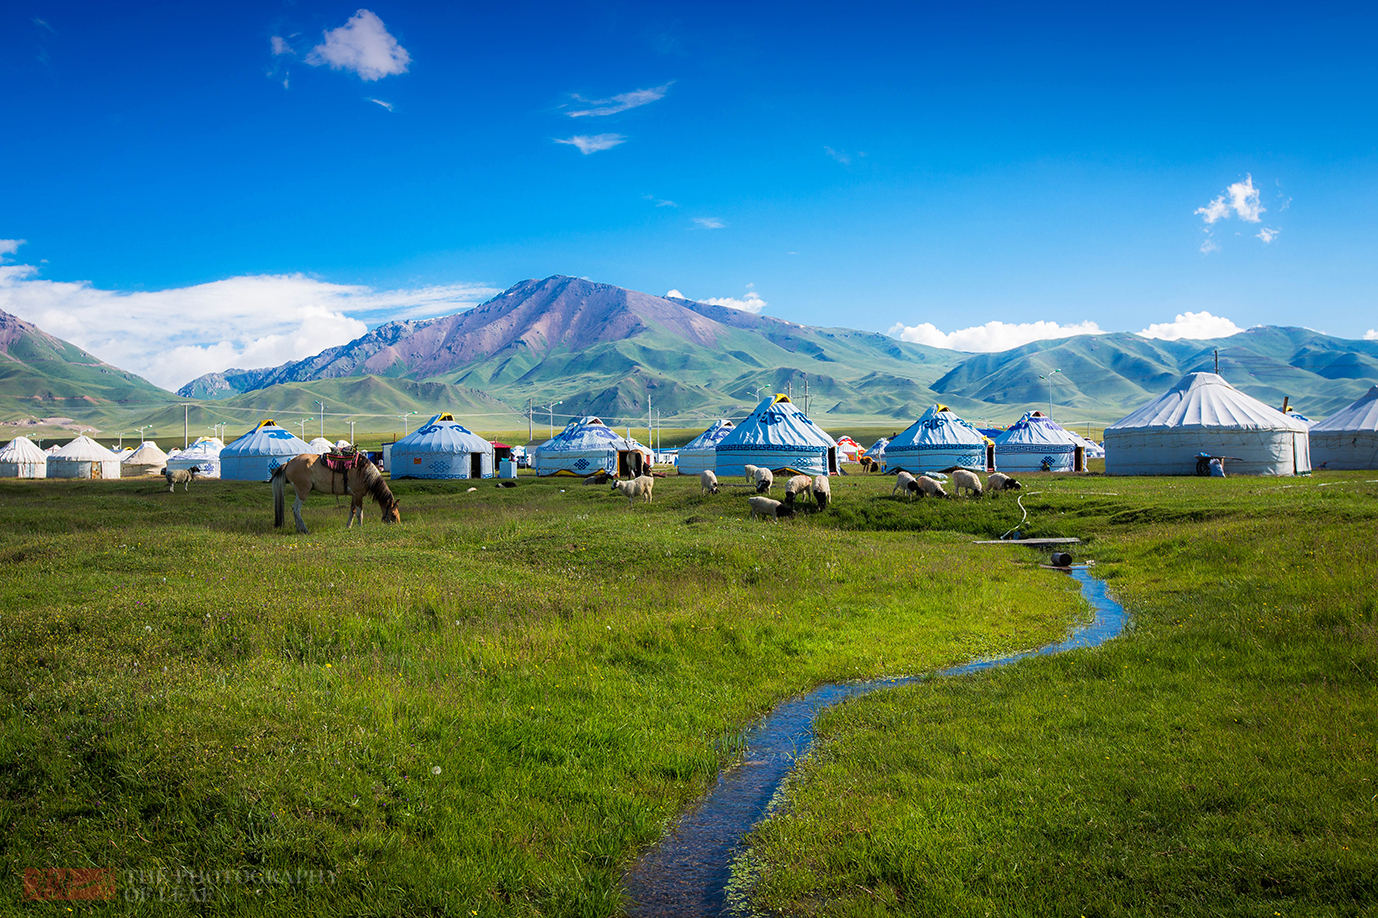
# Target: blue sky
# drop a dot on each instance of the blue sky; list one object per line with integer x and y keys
{"x": 190, "y": 187}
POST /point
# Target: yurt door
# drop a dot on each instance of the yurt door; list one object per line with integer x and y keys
{"x": 990, "y": 457}
{"x": 832, "y": 461}
{"x": 1079, "y": 461}
{"x": 95, "y": 469}
{"x": 628, "y": 463}
{"x": 476, "y": 465}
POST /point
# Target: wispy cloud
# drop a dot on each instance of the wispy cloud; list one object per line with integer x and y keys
{"x": 1268, "y": 234}
{"x": 362, "y": 45}
{"x": 618, "y": 103}
{"x": 44, "y": 25}
{"x": 709, "y": 222}
{"x": 10, "y": 246}
{"x": 387, "y": 105}
{"x": 843, "y": 156}
{"x": 1192, "y": 325}
{"x": 993, "y": 336}
{"x": 1241, "y": 198}
{"x": 659, "y": 202}
{"x": 592, "y": 143}
{"x": 172, "y": 336}
{"x": 280, "y": 46}
{"x": 751, "y": 303}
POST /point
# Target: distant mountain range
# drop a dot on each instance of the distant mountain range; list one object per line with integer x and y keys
{"x": 604, "y": 350}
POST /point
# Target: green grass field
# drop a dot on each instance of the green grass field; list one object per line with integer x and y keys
{"x": 489, "y": 709}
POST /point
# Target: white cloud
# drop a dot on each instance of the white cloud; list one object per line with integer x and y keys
{"x": 709, "y": 222}
{"x": 993, "y": 336}
{"x": 751, "y": 303}
{"x": 593, "y": 143}
{"x": 1215, "y": 210}
{"x": 1192, "y": 325}
{"x": 10, "y": 246}
{"x": 1371, "y": 334}
{"x": 844, "y": 158}
{"x": 172, "y": 336}
{"x": 387, "y": 105}
{"x": 280, "y": 46}
{"x": 619, "y": 103}
{"x": 675, "y": 294}
{"x": 1242, "y": 201}
{"x": 363, "y": 45}
{"x": 1268, "y": 234}
{"x": 1208, "y": 246}
{"x": 659, "y": 202}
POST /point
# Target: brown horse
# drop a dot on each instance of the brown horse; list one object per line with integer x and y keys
{"x": 309, "y": 472}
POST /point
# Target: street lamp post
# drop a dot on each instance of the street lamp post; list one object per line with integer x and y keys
{"x": 142, "y": 429}
{"x": 551, "y": 408}
{"x": 1049, "y": 377}
{"x": 351, "y": 433}
{"x": 403, "y": 419}
{"x": 302, "y": 423}
{"x": 322, "y": 404}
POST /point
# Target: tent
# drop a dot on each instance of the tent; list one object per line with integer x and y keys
{"x": 83, "y": 458}
{"x": 21, "y": 459}
{"x": 587, "y": 445}
{"x": 204, "y": 454}
{"x": 848, "y": 450}
{"x": 320, "y": 446}
{"x": 1036, "y": 443}
{"x": 877, "y": 450}
{"x": 700, "y": 454}
{"x": 254, "y": 456}
{"x": 1348, "y": 439}
{"x": 148, "y": 459}
{"x": 777, "y": 436}
{"x": 1203, "y": 414}
{"x": 442, "y": 448}
{"x": 938, "y": 440}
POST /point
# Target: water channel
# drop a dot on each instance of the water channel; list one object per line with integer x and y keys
{"x": 686, "y": 874}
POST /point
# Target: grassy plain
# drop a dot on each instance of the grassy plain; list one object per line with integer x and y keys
{"x": 484, "y": 711}
{"x": 1221, "y": 758}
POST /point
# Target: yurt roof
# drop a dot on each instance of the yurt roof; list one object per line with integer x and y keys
{"x": 147, "y": 453}
{"x": 1036, "y": 427}
{"x": 936, "y": 428}
{"x": 776, "y": 422}
{"x": 711, "y": 437}
{"x": 84, "y": 449}
{"x": 1207, "y": 400}
{"x": 588, "y": 433}
{"x": 320, "y": 445}
{"x": 206, "y": 447}
{"x": 442, "y": 434}
{"x": 21, "y": 449}
{"x": 878, "y": 448}
{"x": 1359, "y": 415}
{"x": 267, "y": 439}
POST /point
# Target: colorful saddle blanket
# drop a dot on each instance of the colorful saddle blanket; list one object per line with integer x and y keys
{"x": 344, "y": 461}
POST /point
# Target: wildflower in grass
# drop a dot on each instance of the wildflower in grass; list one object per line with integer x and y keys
{"x": 435, "y": 770}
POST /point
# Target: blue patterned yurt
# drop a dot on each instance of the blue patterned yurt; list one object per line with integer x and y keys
{"x": 701, "y": 453}
{"x": 1035, "y": 443}
{"x": 442, "y": 448}
{"x": 778, "y": 436}
{"x": 587, "y": 445}
{"x": 204, "y": 454}
{"x": 938, "y": 440}
{"x": 254, "y": 456}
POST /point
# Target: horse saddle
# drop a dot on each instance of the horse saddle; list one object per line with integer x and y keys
{"x": 343, "y": 461}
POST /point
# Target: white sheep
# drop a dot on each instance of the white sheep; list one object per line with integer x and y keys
{"x": 708, "y": 482}
{"x": 184, "y": 477}
{"x": 637, "y": 487}
{"x": 929, "y": 487}
{"x": 999, "y": 481}
{"x": 798, "y": 484}
{"x": 961, "y": 478}
{"x": 822, "y": 491}
{"x": 906, "y": 483}
{"x": 764, "y": 479}
{"x": 766, "y": 507}
{"x": 749, "y": 473}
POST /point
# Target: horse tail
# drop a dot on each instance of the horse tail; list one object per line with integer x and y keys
{"x": 279, "y": 487}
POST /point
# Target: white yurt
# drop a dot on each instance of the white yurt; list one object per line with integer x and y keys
{"x": 1205, "y": 416}
{"x": 21, "y": 459}
{"x": 320, "y": 445}
{"x": 778, "y": 436}
{"x": 1348, "y": 439}
{"x": 254, "y": 456}
{"x": 848, "y": 450}
{"x": 1036, "y": 443}
{"x": 700, "y": 454}
{"x": 877, "y": 450}
{"x": 147, "y": 459}
{"x": 442, "y": 448}
{"x": 204, "y": 454}
{"x": 83, "y": 458}
{"x": 1093, "y": 449}
{"x": 587, "y": 445}
{"x": 938, "y": 440}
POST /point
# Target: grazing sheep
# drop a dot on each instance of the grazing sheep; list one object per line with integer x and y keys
{"x": 799, "y": 484}
{"x": 929, "y": 487}
{"x": 184, "y": 477}
{"x": 637, "y": 487}
{"x": 764, "y": 479}
{"x": 964, "y": 479}
{"x": 999, "y": 481}
{"x": 749, "y": 473}
{"x": 766, "y": 507}
{"x": 505, "y": 484}
{"x": 906, "y": 483}
{"x": 708, "y": 482}
{"x": 822, "y": 491}
{"x": 598, "y": 478}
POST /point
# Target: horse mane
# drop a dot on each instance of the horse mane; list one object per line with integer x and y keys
{"x": 377, "y": 487}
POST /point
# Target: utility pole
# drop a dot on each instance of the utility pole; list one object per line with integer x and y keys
{"x": 649, "y": 441}
{"x": 806, "y": 395}
{"x": 186, "y": 434}
{"x": 351, "y": 433}
{"x": 322, "y": 404}
{"x": 528, "y": 420}
{"x": 1217, "y": 361}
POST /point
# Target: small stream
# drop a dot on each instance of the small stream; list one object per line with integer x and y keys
{"x": 686, "y": 874}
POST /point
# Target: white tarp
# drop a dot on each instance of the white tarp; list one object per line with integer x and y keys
{"x": 83, "y": 458}
{"x": 147, "y": 459}
{"x": 583, "y": 447}
{"x": 1348, "y": 439}
{"x": 204, "y": 454}
{"x": 938, "y": 440}
{"x": 1036, "y": 443}
{"x": 254, "y": 456}
{"x": 777, "y": 436}
{"x": 442, "y": 448}
{"x": 701, "y": 453}
{"x": 21, "y": 459}
{"x": 1203, "y": 414}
